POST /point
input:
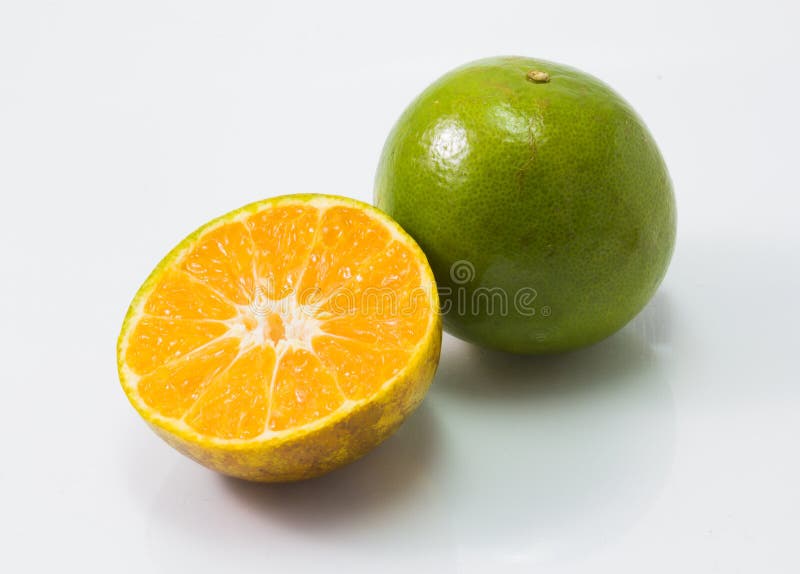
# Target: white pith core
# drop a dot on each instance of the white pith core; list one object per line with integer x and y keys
{"x": 280, "y": 324}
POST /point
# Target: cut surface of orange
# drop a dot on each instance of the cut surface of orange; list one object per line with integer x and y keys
{"x": 283, "y": 339}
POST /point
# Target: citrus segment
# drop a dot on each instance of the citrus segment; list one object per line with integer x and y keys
{"x": 283, "y": 236}
{"x": 156, "y": 341}
{"x": 272, "y": 327}
{"x": 223, "y": 260}
{"x": 180, "y": 296}
{"x": 347, "y": 239}
{"x": 303, "y": 391}
{"x": 360, "y": 368}
{"x": 234, "y": 405}
{"x": 175, "y": 386}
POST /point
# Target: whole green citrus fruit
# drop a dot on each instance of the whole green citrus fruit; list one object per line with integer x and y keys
{"x": 540, "y": 198}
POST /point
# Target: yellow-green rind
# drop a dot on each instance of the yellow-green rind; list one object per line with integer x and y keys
{"x": 321, "y": 446}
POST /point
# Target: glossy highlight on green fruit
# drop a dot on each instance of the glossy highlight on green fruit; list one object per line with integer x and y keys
{"x": 540, "y": 198}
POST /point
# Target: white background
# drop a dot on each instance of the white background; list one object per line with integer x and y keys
{"x": 671, "y": 447}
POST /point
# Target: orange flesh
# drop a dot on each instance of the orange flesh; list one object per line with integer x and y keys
{"x": 278, "y": 320}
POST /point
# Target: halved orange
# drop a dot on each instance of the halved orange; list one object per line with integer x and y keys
{"x": 284, "y": 339}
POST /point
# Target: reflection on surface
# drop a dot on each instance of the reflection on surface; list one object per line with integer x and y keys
{"x": 448, "y": 144}
{"x": 511, "y": 462}
{"x": 556, "y": 456}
